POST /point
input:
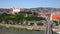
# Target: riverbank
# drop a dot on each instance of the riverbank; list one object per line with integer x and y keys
{"x": 25, "y": 27}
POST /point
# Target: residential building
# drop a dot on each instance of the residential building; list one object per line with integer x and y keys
{"x": 55, "y": 16}
{"x": 2, "y": 10}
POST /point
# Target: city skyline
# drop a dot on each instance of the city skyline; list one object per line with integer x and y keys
{"x": 29, "y": 3}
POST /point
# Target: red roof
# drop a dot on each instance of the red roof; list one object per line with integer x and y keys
{"x": 56, "y": 16}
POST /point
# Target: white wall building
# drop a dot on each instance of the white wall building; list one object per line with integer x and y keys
{"x": 15, "y": 10}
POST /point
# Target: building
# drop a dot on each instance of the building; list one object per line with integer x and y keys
{"x": 8, "y": 11}
{"x": 15, "y": 10}
{"x": 55, "y": 16}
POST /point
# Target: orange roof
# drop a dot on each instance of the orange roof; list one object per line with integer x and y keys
{"x": 56, "y": 16}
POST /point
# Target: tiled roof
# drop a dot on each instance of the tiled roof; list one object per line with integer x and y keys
{"x": 56, "y": 16}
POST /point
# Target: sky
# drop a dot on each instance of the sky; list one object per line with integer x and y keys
{"x": 29, "y": 3}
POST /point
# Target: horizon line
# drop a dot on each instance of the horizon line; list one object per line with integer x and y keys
{"x": 28, "y": 7}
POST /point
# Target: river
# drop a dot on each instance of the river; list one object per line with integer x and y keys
{"x": 4, "y": 30}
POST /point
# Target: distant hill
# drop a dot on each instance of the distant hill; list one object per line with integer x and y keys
{"x": 45, "y": 9}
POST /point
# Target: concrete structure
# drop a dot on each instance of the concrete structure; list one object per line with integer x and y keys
{"x": 48, "y": 26}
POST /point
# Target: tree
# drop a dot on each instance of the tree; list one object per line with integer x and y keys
{"x": 56, "y": 22}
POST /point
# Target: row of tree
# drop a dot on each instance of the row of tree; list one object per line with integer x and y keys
{"x": 19, "y": 18}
